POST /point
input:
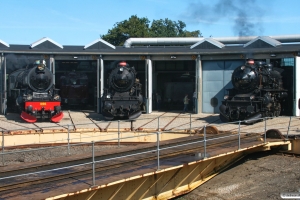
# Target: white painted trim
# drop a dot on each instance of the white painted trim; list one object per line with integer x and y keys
{"x": 44, "y": 39}
{"x": 99, "y": 40}
{"x": 4, "y": 43}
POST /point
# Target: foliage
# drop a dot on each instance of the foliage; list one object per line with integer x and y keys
{"x": 168, "y": 28}
{"x": 136, "y": 27}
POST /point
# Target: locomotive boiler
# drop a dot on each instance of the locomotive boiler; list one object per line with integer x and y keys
{"x": 257, "y": 92}
{"x": 36, "y": 96}
{"x": 122, "y": 98}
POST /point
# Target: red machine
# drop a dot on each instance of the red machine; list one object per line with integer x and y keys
{"x": 37, "y": 96}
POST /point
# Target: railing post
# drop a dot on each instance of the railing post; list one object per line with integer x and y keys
{"x": 158, "y": 124}
{"x": 93, "y": 157}
{"x": 190, "y": 124}
{"x": 265, "y": 139}
{"x": 287, "y": 133}
{"x": 239, "y": 135}
{"x": 68, "y": 140}
{"x": 157, "y": 149}
{"x": 3, "y": 148}
{"x": 118, "y": 133}
{"x": 204, "y": 141}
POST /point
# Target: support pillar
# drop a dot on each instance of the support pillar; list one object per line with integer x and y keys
{"x": 1, "y": 84}
{"x": 4, "y": 88}
{"x": 198, "y": 86}
{"x": 52, "y": 67}
{"x": 148, "y": 82}
{"x": 297, "y": 85}
{"x": 100, "y": 83}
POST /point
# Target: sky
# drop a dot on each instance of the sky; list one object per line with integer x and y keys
{"x": 80, "y": 22}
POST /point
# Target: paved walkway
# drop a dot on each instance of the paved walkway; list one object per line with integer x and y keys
{"x": 163, "y": 121}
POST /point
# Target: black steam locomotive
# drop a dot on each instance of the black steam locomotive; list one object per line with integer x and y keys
{"x": 35, "y": 94}
{"x": 258, "y": 92}
{"x": 74, "y": 88}
{"x": 122, "y": 98}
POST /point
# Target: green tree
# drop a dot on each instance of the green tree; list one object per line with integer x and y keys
{"x": 133, "y": 27}
{"x": 168, "y": 28}
{"x": 139, "y": 27}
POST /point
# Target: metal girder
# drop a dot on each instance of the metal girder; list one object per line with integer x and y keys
{"x": 169, "y": 182}
{"x": 163, "y": 184}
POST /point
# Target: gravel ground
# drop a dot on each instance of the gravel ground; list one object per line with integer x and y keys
{"x": 262, "y": 175}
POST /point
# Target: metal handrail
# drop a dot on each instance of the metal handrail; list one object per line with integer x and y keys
{"x": 74, "y": 138}
{"x": 148, "y": 151}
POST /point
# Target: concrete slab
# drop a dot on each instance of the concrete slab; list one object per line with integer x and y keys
{"x": 89, "y": 121}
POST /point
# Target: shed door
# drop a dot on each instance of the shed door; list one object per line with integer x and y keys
{"x": 216, "y": 79}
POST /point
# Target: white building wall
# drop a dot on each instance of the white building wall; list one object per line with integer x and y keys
{"x": 297, "y": 85}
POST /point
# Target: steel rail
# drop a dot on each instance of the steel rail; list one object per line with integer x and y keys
{"x": 174, "y": 128}
{"x": 141, "y": 127}
{"x": 100, "y": 129}
{"x": 166, "y": 152}
{"x": 164, "y": 128}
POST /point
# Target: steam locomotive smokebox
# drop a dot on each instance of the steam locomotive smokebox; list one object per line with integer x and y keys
{"x": 122, "y": 96}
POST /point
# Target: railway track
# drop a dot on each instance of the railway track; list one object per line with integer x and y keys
{"x": 175, "y": 121}
{"x": 81, "y": 171}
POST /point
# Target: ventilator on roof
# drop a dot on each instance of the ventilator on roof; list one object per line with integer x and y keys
{"x": 46, "y": 43}
{"x": 3, "y": 44}
{"x": 262, "y": 42}
{"x": 208, "y": 43}
{"x": 99, "y": 44}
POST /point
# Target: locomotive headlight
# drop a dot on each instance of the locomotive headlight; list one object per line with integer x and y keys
{"x": 41, "y": 67}
{"x": 108, "y": 96}
{"x": 226, "y": 97}
{"x": 121, "y": 69}
{"x": 29, "y": 97}
{"x": 56, "y": 97}
{"x": 252, "y": 97}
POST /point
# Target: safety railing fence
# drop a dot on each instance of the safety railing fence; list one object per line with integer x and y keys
{"x": 238, "y": 126}
{"x": 287, "y": 125}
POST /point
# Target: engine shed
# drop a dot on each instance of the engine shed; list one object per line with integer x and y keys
{"x": 170, "y": 67}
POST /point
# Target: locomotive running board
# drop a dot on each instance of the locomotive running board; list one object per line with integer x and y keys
{"x": 56, "y": 118}
{"x": 28, "y": 118}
